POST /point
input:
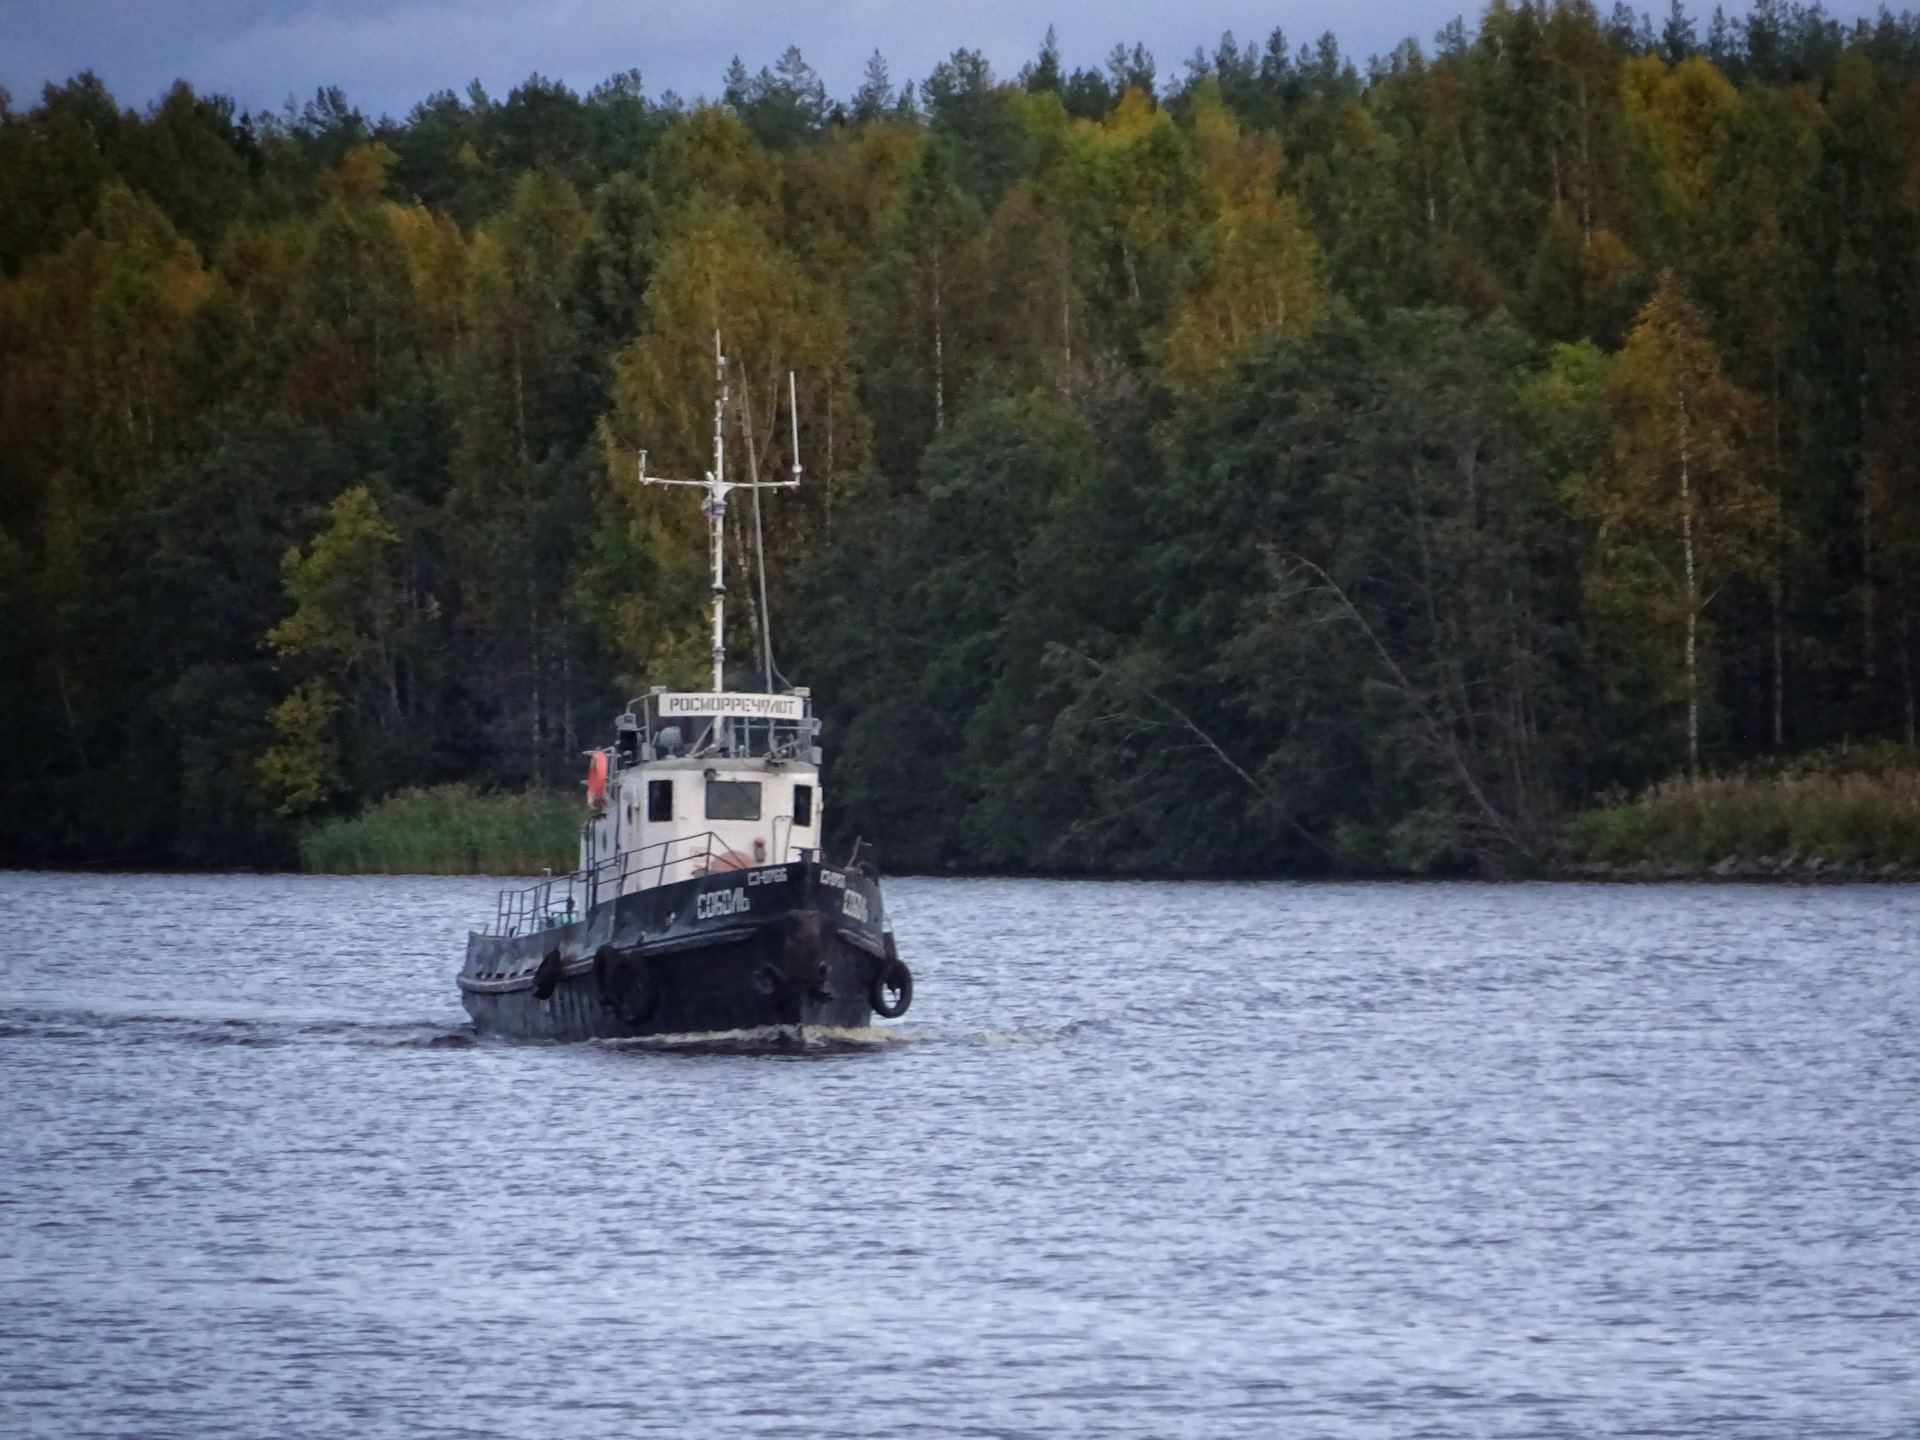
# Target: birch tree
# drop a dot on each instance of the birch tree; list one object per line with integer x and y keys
{"x": 1680, "y": 500}
{"x": 1254, "y": 271}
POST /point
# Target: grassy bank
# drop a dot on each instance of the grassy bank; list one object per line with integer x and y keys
{"x": 1831, "y": 815}
{"x": 449, "y": 830}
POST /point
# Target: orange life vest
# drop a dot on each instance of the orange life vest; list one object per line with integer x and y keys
{"x": 597, "y": 780}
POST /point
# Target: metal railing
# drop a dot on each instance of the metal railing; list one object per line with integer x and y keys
{"x": 567, "y": 898}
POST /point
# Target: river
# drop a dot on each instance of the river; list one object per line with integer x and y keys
{"x": 1144, "y": 1159}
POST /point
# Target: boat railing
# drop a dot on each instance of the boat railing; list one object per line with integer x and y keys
{"x": 564, "y": 899}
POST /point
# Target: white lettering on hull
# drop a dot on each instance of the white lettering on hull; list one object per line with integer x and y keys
{"x": 721, "y": 902}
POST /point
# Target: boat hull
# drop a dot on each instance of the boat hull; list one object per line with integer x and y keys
{"x": 801, "y": 944}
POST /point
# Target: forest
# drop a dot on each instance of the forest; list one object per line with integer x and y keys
{"x": 1277, "y": 466}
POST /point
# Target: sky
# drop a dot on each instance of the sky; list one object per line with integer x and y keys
{"x": 387, "y": 55}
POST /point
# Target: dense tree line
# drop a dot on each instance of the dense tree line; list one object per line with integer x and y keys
{"x": 1276, "y": 466}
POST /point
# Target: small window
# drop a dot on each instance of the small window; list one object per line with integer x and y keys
{"x": 659, "y": 800}
{"x": 733, "y": 799}
{"x": 802, "y": 806}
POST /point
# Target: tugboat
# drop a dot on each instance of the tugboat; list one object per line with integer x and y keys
{"x": 703, "y": 902}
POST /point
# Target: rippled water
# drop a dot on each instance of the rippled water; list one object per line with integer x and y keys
{"x": 1144, "y": 1159}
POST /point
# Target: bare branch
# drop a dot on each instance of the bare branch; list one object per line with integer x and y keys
{"x": 1186, "y": 722}
{"x": 1438, "y": 734}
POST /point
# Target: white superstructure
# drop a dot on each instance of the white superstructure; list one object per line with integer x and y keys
{"x": 700, "y": 782}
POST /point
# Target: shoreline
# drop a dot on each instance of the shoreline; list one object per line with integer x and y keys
{"x": 1764, "y": 871}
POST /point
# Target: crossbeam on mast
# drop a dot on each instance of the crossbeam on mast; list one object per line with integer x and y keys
{"x": 714, "y": 508}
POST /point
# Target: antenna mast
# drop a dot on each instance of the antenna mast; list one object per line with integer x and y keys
{"x": 714, "y": 507}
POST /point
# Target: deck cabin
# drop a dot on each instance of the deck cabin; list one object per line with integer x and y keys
{"x": 698, "y": 782}
{"x": 694, "y": 783}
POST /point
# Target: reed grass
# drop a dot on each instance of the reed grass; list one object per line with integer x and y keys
{"x": 1863, "y": 815}
{"x": 449, "y": 830}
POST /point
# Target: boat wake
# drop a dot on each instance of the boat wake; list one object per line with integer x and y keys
{"x": 142, "y": 1026}
{"x": 804, "y": 1040}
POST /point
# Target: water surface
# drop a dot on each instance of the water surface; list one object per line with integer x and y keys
{"x": 1143, "y": 1160}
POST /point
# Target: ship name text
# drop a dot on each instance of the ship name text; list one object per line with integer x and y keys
{"x": 722, "y": 902}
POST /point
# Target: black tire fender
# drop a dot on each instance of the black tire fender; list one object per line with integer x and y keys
{"x": 547, "y": 977}
{"x": 626, "y": 984}
{"x": 892, "y": 989}
{"x": 603, "y": 959}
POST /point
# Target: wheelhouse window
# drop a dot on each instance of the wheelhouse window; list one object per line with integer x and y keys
{"x": 802, "y": 806}
{"x": 659, "y": 800}
{"x": 733, "y": 799}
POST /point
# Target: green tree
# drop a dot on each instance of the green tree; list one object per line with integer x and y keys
{"x": 718, "y": 282}
{"x": 1253, "y": 271}
{"x": 1134, "y": 195}
{"x": 300, "y": 771}
{"x": 525, "y": 397}
{"x": 1680, "y": 501}
{"x": 360, "y": 630}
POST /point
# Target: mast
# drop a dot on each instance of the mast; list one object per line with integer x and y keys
{"x": 714, "y": 508}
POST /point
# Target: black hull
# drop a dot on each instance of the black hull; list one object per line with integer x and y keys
{"x": 780, "y": 945}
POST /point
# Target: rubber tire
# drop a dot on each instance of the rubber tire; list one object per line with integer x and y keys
{"x": 547, "y": 978}
{"x": 640, "y": 996}
{"x": 892, "y": 975}
{"x": 627, "y": 985}
{"x": 602, "y": 958}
